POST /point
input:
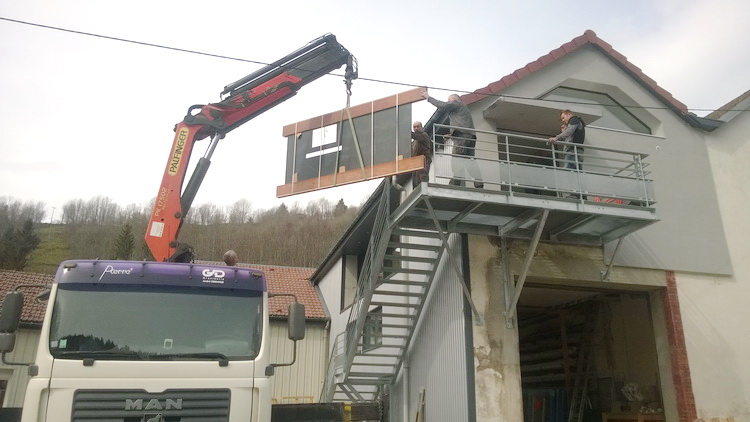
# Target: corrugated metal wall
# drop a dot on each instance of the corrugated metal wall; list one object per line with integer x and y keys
{"x": 26, "y": 343}
{"x": 302, "y": 381}
{"x": 437, "y": 359}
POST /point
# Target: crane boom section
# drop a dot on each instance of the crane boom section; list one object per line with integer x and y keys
{"x": 241, "y": 101}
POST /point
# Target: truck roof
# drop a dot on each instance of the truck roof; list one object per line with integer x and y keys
{"x": 161, "y": 274}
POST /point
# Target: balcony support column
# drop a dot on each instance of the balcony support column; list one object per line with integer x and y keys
{"x": 605, "y": 274}
{"x": 511, "y": 309}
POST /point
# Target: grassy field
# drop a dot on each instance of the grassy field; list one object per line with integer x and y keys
{"x": 52, "y": 250}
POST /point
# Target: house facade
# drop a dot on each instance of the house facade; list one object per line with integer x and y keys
{"x": 542, "y": 292}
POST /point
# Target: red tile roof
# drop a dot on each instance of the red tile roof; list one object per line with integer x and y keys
{"x": 718, "y": 114}
{"x": 294, "y": 280}
{"x": 33, "y": 310}
{"x": 588, "y": 38}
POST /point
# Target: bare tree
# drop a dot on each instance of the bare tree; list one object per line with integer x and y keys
{"x": 239, "y": 212}
{"x": 73, "y": 212}
{"x": 14, "y": 213}
{"x": 131, "y": 212}
{"x": 102, "y": 210}
{"x": 206, "y": 213}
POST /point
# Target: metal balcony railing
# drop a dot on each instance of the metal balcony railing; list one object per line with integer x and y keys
{"x": 532, "y": 165}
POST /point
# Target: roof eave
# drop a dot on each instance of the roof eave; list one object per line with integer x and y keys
{"x": 589, "y": 37}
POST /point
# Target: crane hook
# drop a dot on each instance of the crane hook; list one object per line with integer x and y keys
{"x": 351, "y": 73}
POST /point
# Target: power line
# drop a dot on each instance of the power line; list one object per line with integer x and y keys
{"x": 383, "y": 81}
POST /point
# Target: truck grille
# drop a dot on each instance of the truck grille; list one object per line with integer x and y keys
{"x": 141, "y": 406}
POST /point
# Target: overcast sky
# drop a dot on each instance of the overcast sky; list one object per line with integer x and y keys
{"x": 82, "y": 116}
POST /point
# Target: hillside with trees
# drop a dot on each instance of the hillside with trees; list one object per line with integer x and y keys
{"x": 100, "y": 228}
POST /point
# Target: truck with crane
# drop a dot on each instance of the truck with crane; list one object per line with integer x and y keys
{"x": 172, "y": 340}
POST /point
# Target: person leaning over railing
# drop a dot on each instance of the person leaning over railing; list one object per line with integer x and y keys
{"x": 574, "y": 132}
{"x": 463, "y": 141}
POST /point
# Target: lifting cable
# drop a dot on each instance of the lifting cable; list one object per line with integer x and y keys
{"x": 349, "y": 76}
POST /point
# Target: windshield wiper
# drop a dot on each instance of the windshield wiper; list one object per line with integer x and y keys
{"x": 222, "y": 358}
{"x": 100, "y": 354}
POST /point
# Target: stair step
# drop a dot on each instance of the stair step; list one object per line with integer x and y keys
{"x": 406, "y": 270}
{"x": 416, "y": 233}
{"x": 392, "y": 362}
{"x": 410, "y": 259}
{"x": 433, "y": 248}
{"x": 369, "y": 382}
{"x": 402, "y": 282}
{"x": 400, "y": 294}
{"x": 382, "y": 346}
{"x": 369, "y": 375}
{"x": 396, "y": 326}
{"x": 400, "y": 336}
{"x": 389, "y": 315}
{"x": 394, "y": 304}
{"x": 373, "y": 364}
{"x": 377, "y": 355}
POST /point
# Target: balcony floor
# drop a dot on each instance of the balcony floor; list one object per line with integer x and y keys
{"x": 514, "y": 215}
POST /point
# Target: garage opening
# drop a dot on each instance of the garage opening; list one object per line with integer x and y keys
{"x": 588, "y": 355}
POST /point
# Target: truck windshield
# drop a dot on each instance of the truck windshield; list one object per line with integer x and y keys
{"x": 141, "y": 322}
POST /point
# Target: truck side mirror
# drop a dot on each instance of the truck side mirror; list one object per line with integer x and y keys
{"x": 10, "y": 316}
{"x": 296, "y": 321}
{"x": 7, "y": 342}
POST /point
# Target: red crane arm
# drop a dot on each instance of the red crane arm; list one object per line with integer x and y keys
{"x": 246, "y": 98}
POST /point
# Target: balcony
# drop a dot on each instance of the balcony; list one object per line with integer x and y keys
{"x": 514, "y": 179}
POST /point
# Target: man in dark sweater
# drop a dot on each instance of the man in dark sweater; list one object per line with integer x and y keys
{"x": 573, "y": 132}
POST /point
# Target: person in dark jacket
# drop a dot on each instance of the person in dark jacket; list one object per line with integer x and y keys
{"x": 462, "y": 135}
{"x": 573, "y": 132}
{"x": 421, "y": 145}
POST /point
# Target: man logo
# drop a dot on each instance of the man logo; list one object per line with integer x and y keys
{"x": 153, "y": 404}
{"x": 151, "y": 417}
{"x": 207, "y": 273}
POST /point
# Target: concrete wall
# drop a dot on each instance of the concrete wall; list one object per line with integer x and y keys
{"x": 496, "y": 359}
{"x": 715, "y": 311}
{"x": 686, "y": 241}
{"x": 634, "y": 334}
{"x": 330, "y": 292}
{"x": 702, "y": 186}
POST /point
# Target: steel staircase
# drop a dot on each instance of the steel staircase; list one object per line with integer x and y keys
{"x": 398, "y": 271}
{"x": 408, "y": 239}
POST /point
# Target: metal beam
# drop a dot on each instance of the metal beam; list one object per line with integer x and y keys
{"x": 509, "y": 312}
{"x": 519, "y": 221}
{"x": 570, "y": 225}
{"x": 453, "y": 223}
{"x": 508, "y": 287}
{"x": 456, "y": 267}
{"x": 605, "y": 274}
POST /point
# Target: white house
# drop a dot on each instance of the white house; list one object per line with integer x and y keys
{"x": 615, "y": 292}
